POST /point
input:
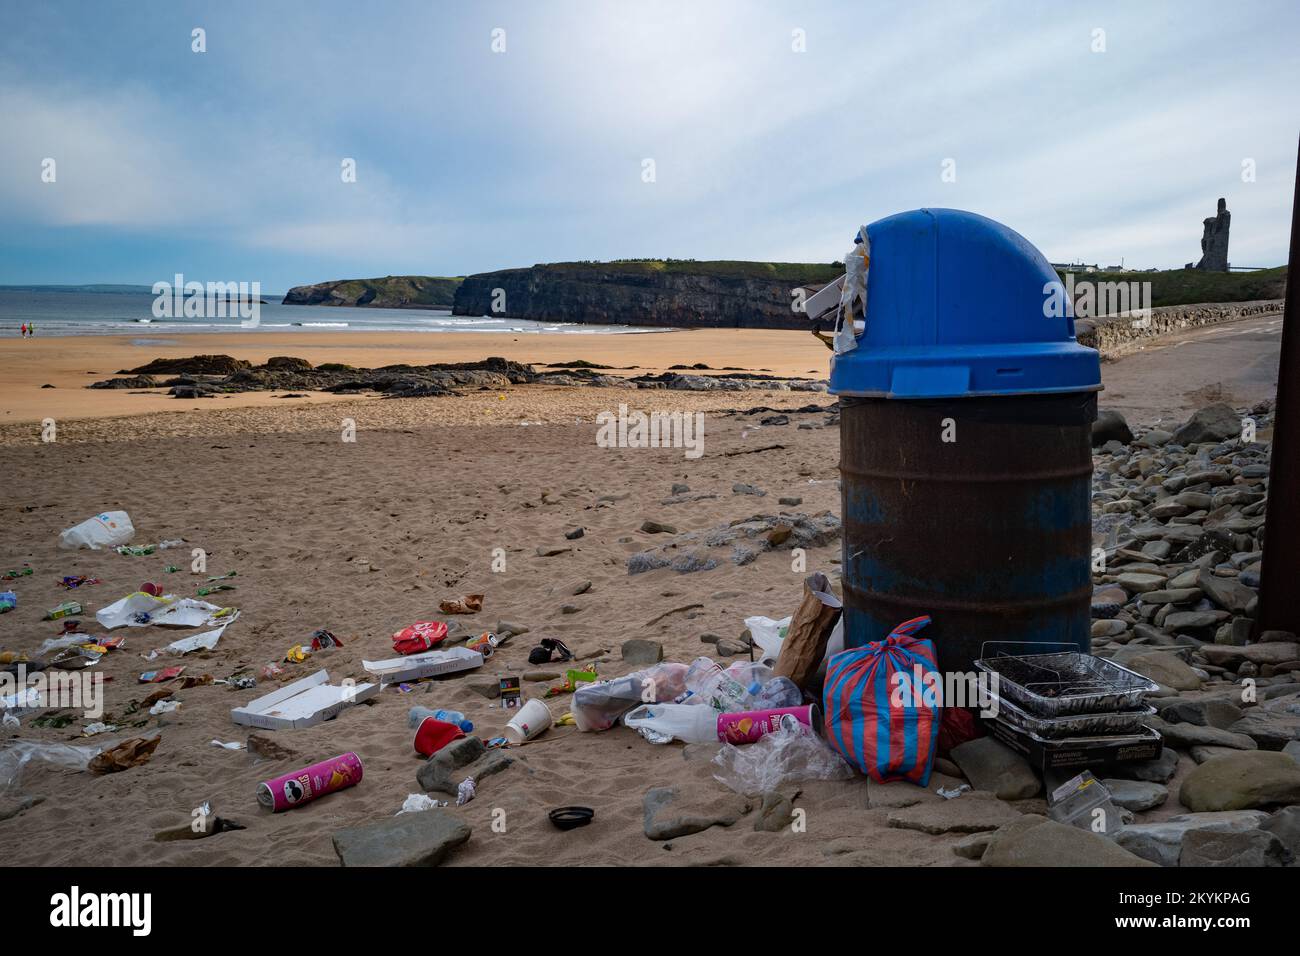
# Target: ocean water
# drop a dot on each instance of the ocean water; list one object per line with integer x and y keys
{"x": 130, "y": 313}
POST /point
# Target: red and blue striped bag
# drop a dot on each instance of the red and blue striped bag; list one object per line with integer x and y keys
{"x": 877, "y": 714}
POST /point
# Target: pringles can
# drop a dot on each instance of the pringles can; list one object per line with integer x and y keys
{"x": 745, "y": 727}
{"x": 303, "y": 786}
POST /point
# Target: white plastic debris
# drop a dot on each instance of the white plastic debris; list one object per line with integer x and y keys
{"x": 418, "y": 802}
{"x": 768, "y": 634}
{"x": 231, "y": 745}
{"x": 853, "y": 296}
{"x": 952, "y": 793}
{"x": 465, "y": 792}
{"x": 106, "y": 530}
{"x": 11, "y": 721}
{"x": 98, "y": 727}
{"x": 164, "y": 707}
{"x": 195, "y": 642}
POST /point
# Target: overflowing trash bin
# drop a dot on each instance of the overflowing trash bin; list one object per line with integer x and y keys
{"x": 966, "y": 411}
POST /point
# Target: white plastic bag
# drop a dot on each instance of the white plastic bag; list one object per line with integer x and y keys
{"x": 664, "y": 723}
{"x": 768, "y": 634}
{"x": 786, "y": 755}
{"x": 106, "y": 530}
{"x": 21, "y": 752}
{"x": 853, "y": 295}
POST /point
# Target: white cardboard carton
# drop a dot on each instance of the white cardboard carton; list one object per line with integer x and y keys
{"x": 304, "y": 703}
{"x": 427, "y": 664}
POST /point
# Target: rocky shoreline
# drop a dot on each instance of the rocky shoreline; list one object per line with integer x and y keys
{"x": 206, "y": 376}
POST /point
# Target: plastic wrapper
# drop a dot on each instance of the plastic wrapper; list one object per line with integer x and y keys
{"x": 106, "y": 530}
{"x": 787, "y": 756}
{"x": 20, "y": 753}
{"x": 599, "y": 706}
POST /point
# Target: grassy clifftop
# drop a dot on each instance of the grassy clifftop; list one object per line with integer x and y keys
{"x": 1189, "y": 286}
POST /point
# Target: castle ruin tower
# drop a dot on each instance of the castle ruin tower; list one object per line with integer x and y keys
{"x": 1214, "y": 241}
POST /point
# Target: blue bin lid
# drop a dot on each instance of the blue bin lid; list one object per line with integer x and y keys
{"x": 955, "y": 308}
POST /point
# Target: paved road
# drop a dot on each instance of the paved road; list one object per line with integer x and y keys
{"x": 1172, "y": 376}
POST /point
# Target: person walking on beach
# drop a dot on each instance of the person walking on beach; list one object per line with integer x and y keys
{"x": 31, "y": 329}
{"x": 24, "y": 330}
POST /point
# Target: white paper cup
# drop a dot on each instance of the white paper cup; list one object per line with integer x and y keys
{"x": 532, "y": 719}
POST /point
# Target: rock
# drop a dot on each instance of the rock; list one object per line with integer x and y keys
{"x": 1135, "y": 795}
{"x": 1234, "y": 848}
{"x": 1102, "y": 629}
{"x": 693, "y": 561}
{"x": 740, "y": 488}
{"x": 655, "y": 527}
{"x": 973, "y": 845}
{"x": 1160, "y": 770}
{"x": 1207, "y": 712}
{"x": 510, "y": 629}
{"x": 970, "y": 813}
{"x": 1228, "y": 593}
{"x": 1203, "y": 752}
{"x": 775, "y": 420}
{"x": 644, "y": 561}
{"x": 569, "y": 609}
{"x": 1269, "y": 731}
{"x": 680, "y": 489}
{"x": 729, "y": 648}
{"x": 1271, "y": 653}
{"x": 1277, "y": 637}
{"x": 409, "y": 839}
{"x": 1162, "y": 842}
{"x": 1194, "y": 735}
{"x": 775, "y": 811}
{"x": 1137, "y": 582}
{"x": 1172, "y": 596}
{"x": 672, "y": 812}
{"x": 575, "y": 534}
{"x": 1242, "y": 781}
{"x": 990, "y": 765}
{"x": 1216, "y": 422}
{"x": 1285, "y": 825}
{"x": 897, "y": 794}
{"x": 642, "y": 652}
{"x": 490, "y": 689}
{"x": 550, "y": 551}
{"x": 1164, "y": 667}
{"x": 439, "y": 772}
{"x": 1191, "y": 620}
{"x": 790, "y": 502}
{"x": 1110, "y": 426}
{"x": 946, "y": 767}
{"x": 488, "y": 766}
{"x": 1040, "y": 842}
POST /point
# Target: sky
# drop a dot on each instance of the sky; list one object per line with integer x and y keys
{"x": 492, "y": 135}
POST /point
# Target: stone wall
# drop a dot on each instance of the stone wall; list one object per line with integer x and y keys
{"x": 1114, "y": 335}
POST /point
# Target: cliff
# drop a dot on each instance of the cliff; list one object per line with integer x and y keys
{"x": 651, "y": 292}
{"x": 390, "y": 292}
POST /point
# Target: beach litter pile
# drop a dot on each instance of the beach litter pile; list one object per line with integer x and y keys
{"x": 1066, "y": 760}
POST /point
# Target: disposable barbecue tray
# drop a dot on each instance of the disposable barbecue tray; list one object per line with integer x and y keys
{"x": 1102, "y": 724}
{"x": 1065, "y": 683}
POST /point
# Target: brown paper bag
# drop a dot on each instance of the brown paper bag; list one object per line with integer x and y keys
{"x": 810, "y": 629}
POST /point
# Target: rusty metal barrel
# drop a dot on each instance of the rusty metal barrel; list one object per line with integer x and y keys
{"x": 965, "y": 443}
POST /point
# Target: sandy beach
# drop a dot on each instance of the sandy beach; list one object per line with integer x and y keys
{"x": 70, "y": 363}
{"x": 365, "y": 537}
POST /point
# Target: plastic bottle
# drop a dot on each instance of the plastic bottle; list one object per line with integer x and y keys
{"x": 710, "y": 684}
{"x": 748, "y": 673}
{"x": 777, "y": 693}
{"x": 418, "y": 714}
